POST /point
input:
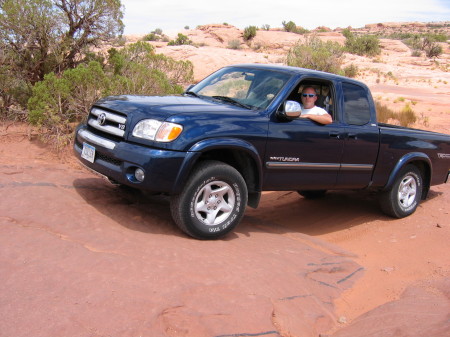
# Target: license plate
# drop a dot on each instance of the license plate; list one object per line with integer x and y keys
{"x": 88, "y": 152}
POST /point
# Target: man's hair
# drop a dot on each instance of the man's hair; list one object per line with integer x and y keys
{"x": 308, "y": 87}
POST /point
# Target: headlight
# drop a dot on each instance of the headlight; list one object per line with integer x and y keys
{"x": 155, "y": 130}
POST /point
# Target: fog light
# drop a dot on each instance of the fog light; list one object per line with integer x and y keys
{"x": 139, "y": 174}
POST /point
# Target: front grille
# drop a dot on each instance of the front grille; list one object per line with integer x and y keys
{"x": 107, "y": 122}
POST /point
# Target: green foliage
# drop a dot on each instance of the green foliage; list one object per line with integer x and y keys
{"x": 151, "y": 37}
{"x": 265, "y": 27}
{"x": 59, "y": 102}
{"x": 434, "y": 50}
{"x": 14, "y": 91}
{"x": 180, "y": 40}
{"x": 141, "y": 71}
{"x": 289, "y": 26}
{"x": 438, "y": 37}
{"x": 249, "y": 32}
{"x": 293, "y": 28}
{"x": 407, "y": 116}
{"x": 368, "y": 45}
{"x": 316, "y": 54}
{"x": 351, "y": 70}
{"x": 42, "y": 36}
{"x": 427, "y": 43}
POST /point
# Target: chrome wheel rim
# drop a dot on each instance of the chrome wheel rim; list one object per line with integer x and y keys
{"x": 214, "y": 203}
{"x": 407, "y": 191}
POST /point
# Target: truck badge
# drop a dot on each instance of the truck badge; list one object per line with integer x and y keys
{"x": 101, "y": 119}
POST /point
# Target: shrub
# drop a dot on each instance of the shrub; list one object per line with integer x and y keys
{"x": 351, "y": 70}
{"x": 427, "y": 43}
{"x": 290, "y": 26}
{"x": 180, "y": 40}
{"x": 249, "y": 33}
{"x": 316, "y": 54}
{"x": 407, "y": 116}
{"x": 384, "y": 113}
{"x": 265, "y": 27}
{"x": 58, "y": 103}
{"x": 434, "y": 50}
{"x": 368, "y": 45}
{"x": 151, "y": 37}
{"x": 234, "y": 44}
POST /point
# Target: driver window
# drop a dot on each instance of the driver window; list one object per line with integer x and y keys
{"x": 324, "y": 95}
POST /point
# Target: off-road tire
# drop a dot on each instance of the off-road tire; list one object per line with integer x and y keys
{"x": 405, "y": 195}
{"x": 212, "y": 202}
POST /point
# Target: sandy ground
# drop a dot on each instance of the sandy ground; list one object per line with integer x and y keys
{"x": 79, "y": 257}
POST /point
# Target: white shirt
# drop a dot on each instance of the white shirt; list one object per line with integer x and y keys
{"x": 313, "y": 111}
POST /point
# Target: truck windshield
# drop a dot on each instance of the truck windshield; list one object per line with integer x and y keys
{"x": 246, "y": 87}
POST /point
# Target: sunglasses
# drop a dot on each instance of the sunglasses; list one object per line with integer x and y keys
{"x": 308, "y": 95}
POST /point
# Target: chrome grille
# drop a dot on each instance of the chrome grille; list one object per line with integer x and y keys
{"x": 108, "y": 122}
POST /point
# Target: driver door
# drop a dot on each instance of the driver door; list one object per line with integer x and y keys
{"x": 302, "y": 154}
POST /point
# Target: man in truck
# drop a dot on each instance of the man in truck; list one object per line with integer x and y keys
{"x": 310, "y": 110}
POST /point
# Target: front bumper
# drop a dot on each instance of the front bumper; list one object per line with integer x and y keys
{"x": 118, "y": 160}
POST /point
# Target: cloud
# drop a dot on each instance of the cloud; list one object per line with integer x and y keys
{"x": 142, "y": 16}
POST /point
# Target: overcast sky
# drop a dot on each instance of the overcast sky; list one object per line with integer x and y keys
{"x": 143, "y": 16}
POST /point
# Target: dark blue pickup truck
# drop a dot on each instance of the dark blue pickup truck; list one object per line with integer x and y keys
{"x": 238, "y": 132}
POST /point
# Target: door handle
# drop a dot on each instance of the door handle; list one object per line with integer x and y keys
{"x": 336, "y": 135}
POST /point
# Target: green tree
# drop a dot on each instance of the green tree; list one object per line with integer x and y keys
{"x": 42, "y": 36}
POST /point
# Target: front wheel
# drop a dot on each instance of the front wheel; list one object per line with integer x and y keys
{"x": 212, "y": 203}
{"x": 405, "y": 195}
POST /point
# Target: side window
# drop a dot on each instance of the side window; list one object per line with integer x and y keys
{"x": 356, "y": 104}
{"x": 324, "y": 94}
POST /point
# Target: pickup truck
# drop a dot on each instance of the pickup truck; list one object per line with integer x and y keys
{"x": 217, "y": 146}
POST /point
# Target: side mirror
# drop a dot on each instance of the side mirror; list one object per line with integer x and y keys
{"x": 290, "y": 110}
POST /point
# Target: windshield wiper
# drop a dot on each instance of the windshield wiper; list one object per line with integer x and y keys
{"x": 232, "y": 101}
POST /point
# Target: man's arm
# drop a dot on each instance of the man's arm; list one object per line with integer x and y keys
{"x": 322, "y": 119}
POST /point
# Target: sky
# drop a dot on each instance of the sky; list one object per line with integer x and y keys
{"x": 172, "y": 16}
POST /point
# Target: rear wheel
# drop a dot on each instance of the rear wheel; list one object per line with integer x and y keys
{"x": 405, "y": 195}
{"x": 212, "y": 203}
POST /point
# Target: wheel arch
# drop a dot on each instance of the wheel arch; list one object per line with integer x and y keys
{"x": 237, "y": 153}
{"x": 419, "y": 160}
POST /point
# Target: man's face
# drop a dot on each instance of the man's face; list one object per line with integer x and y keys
{"x": 309, "y": 98}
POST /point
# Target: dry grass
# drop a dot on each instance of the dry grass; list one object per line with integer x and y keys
{"x": 406, "y": 117}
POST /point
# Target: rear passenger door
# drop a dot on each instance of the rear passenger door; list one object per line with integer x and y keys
{"x": 360, "y": 138}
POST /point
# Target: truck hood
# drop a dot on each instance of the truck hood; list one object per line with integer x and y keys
{"x": 162, "y": 107}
